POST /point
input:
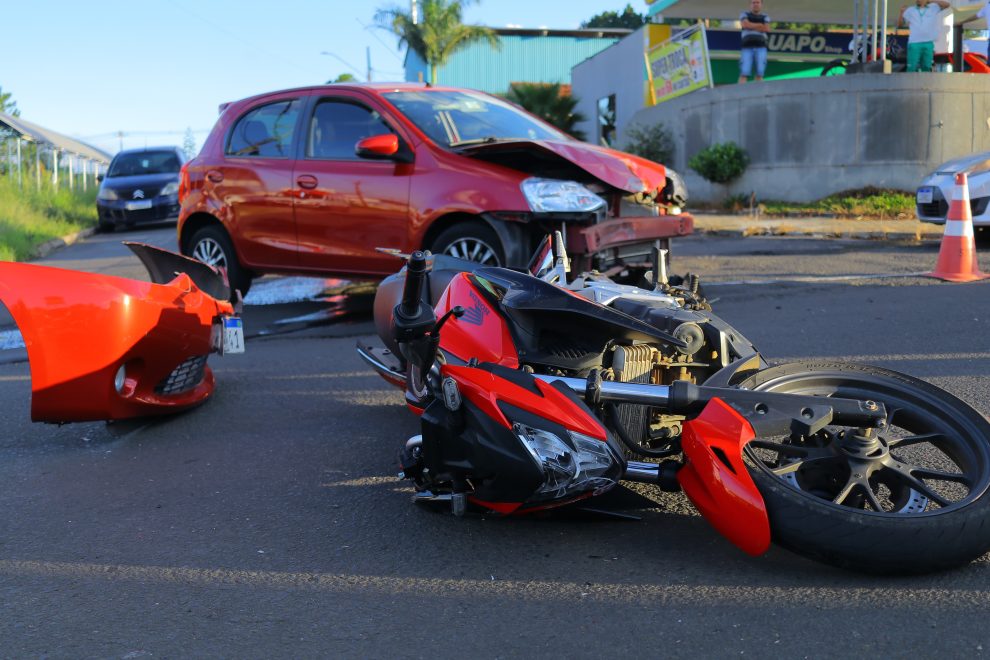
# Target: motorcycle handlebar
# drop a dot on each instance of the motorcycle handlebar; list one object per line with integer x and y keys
{"x": 415, "y": 278}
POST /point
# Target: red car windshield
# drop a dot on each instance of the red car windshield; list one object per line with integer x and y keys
{"x": 454, "y": 119}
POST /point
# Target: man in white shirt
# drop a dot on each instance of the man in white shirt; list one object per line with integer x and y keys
{"x": 924, "y": 23}
{"x": 984, "y": 43}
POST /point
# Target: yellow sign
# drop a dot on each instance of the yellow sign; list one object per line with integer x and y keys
{"x": 679, "y": 66}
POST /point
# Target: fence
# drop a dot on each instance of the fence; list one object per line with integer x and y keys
{"x": 33, "y": 163}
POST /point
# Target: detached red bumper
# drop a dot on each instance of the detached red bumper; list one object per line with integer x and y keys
{"x": 104, "y": 347}
{"x": 620, "y": 232}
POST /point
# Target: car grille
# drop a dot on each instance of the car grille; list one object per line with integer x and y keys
{"x": 184, "y": 377}
{"x": 127, "y": 194}
{"x": 939, "y": 206}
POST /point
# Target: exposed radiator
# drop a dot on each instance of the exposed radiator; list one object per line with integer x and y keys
{"x": 633, "y": 364}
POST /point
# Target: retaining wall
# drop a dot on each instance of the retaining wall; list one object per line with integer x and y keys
{"x": 809, "y": 138}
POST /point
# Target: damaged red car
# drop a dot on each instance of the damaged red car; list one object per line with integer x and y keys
{"x": 313, "y": 180}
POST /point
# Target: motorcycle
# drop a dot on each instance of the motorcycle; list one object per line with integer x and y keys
{"x": 535, "y": 392}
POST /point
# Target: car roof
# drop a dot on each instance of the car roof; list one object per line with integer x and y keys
{"x": 144, "y": 149}
{"x": 374, "y": 87}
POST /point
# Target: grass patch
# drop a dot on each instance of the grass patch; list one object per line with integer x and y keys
{"x": 865, "y": 203}
{"x": 29, "y": 217}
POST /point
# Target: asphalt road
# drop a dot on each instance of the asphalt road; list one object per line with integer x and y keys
{"x": 269, "y": 521}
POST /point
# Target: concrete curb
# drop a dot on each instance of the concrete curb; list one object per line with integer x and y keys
{"x": 820, "y": 228}
{"x": 50, "y": 246}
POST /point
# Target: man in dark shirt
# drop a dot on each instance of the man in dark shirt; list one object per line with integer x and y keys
{"x": 753, "y": 49}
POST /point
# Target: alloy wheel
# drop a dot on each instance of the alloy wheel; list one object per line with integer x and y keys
{"x": 473, "y": 249}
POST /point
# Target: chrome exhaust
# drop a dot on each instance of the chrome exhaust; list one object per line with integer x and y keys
{"x": 647, "y": 395}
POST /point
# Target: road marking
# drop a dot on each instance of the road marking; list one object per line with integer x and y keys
{"x": 822, "y": 597}
{"x": 10, "y": 339}
{"x": 812, "y": 279}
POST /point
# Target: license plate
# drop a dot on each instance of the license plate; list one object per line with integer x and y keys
{"x": 228, "y": 337}
{"x": 925, "y": 195}
{"x": 138, "y": 205}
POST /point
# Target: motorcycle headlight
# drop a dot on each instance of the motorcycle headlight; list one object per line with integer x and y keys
{"x": 170, "y": 189}
{"x": 553, "y": 196}
{"x": 571, "y": 466}
{"x": 107, "y": 194}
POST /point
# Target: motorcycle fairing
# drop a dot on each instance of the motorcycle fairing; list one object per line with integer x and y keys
{"x": 717, "y": 481}
{"x": 81, "y": 328}
{"x": 481, "y": 332}
{"x": 488, "y": 391}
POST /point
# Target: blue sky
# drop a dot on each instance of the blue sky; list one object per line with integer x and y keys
{"x": 153, "y": 68}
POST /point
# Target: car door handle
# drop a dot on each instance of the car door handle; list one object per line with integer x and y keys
{"x": 215, "y": 176}
{"x": 307, "y": 181}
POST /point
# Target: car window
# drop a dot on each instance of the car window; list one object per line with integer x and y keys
{"x": 265, "y": 132}
{"x": 337, "y": 126}
{"x": 453, "y": 119}
{"x": 144, "y": 162}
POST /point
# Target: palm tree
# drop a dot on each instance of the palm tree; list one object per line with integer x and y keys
{"x": 549, "y": 102}
{"x": 437, "y": 34}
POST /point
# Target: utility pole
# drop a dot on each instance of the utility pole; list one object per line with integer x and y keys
{"x": 367, "y": 52}
{"x": 413, "y": 12}
{"x": 120, "y": 135}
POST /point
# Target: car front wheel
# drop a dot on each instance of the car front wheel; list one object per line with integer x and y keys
{"x": 212, "y": 246}
{"x": 471, "y": 241}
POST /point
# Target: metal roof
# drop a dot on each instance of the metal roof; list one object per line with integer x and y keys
{"x": 31, "y": 131}
{"x": 524, "y": 55}
{"x": 798, "y": 11}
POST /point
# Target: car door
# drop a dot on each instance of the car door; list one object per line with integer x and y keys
{"x": 345, "y": 205}
{"x": 254, "y": 182}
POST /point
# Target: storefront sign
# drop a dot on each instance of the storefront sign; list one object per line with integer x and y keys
{"x": 782, "y": 45}
{"x": 679, "y": 66}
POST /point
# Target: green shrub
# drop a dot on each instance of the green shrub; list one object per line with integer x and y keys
{"x": 652, "y": 142}
{"x": 720, "y": 163}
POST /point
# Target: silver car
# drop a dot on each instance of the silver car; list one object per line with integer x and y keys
{"x": 935, "y": 192}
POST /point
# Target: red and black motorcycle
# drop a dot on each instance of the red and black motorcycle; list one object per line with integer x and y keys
{"x": 535, "y": 392}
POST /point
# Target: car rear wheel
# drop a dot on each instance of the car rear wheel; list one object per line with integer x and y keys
{"x": 472, "y": 241}
{"x": 212, "y": 246}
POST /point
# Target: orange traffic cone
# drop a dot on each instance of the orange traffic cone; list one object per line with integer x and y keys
{"x": 957, "y": 255}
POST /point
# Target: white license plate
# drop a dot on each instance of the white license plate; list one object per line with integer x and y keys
{"x": 228, "y": 337}
{"x": 925, "y": 195}
{"x": 138, "y": 205}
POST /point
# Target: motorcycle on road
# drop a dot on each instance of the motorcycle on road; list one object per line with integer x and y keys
{"x": 536, "y": 392}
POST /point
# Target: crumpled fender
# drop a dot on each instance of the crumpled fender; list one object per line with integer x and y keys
{"x": 81, "y": 328}
{"x": 723, "y": 490}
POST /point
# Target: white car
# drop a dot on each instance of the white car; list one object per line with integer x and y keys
{"x": 935, "y": 191}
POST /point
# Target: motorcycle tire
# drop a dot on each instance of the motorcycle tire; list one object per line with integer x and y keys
{"x": 929, "y": 473}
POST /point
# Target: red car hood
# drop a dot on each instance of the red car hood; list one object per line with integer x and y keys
{"x": 615, "y": 168}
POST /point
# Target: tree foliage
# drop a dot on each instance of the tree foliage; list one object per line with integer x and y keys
{"x": 550, "y": 103}
{"x": 7, "y": 104}
{"x": 612, "y": 19}
{"x": 437, "y": 34}
{"x": 720, "y": 163}
{"x": 189, "y": 144}
{"x": 343, "y": 78}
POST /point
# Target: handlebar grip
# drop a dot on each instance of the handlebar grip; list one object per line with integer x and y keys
{"x": 415, "y": 278}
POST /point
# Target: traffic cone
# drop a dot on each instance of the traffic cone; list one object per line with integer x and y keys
{"x": 957, "y": 255}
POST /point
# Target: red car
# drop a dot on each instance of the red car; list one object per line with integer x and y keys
{"x": 313, "y": 180}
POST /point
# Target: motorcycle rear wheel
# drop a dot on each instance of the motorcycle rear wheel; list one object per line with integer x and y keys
{"x": 913, "y": 499}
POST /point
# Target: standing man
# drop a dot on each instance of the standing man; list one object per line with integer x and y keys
{"x": 753, "y": 49}
{"x": 924, "y": 24}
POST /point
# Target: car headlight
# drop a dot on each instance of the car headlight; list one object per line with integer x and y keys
{"x": 170, "y": 188}
{"x": 573, "y": 466}
{"x": 676, "y": 192}
{"x": 551, "y": 195}
{"x": 107, "y": 194}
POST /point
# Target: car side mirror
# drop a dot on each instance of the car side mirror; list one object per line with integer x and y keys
{"x": 99, "y": 178}
{"x": 380, "y": 147}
